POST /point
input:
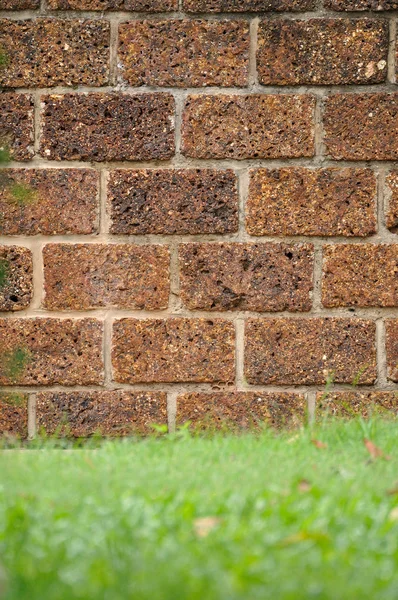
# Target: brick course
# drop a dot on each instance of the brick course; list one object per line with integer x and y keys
{"x": 16, "y": 278}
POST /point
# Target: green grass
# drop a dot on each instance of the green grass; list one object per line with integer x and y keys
{"x": 287, "y": 520}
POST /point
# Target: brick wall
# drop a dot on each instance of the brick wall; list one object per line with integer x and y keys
{"x": 199, "y": 216}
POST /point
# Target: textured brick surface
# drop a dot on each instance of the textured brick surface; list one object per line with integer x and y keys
{"x": 50, "y": 351}
{"x": 392, "y": 194}
{"x": 108, "y": 127}
{"x": 360, "y": 275}
{"x": 392, "y": 349}
{"x": 48, "y": 201}
{"x": 173, "y": 350}
{"x": 136, "y": 5}
{"x": 247, "y": 5}
{"x": 299, "y": 201}
{"x": 184, "y": 53}
{"x": 84, "y": 276}
{"x": 81, "y": 414}
{"x": 307, "y": 351}
{"x": 255, "y": 126}
{"x": 362, "y": 126}
{"x": 240, "y": 410}
{"x": 352, "y": 404}
{"x": 16, "y": 278}
{"x": 14, "y": 414}
{"x": 46, "y": 52}
{"x": 19, "y": 4}
{"x": 16, "y": 125}
{"x": 375, "y": 5}
{"x": 258, "y": 277}
{"x": 171, "y": 201}
{"x": 322, "y": 51}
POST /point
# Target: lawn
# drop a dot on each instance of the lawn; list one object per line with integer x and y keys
{"x": 312, "y": 514}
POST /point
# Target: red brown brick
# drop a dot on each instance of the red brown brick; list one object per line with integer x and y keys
{"x": 299, "y": 201}
{"x": 308, "y": 351}
{"x": 86, "y": 276}
{"x": 16, "y": 278}
{"x": 322, "y": 51}
{"x": 247, "y": 5}
{"x": 173, "y": 350}
{"x": 133, "y": 5}
{"x": 50, "y": 351}
{"x": 19, "y": 4}
{"x": 392, "y": 349}
{"x": 392, "y": 200}
{"x": 82, "y": 414}
{"x": 375, "y": 5}
{"x": 179, "y": 53}
{"x": 257, "y": 277}
{"x": 14, "y": 415}
{"x": 16, "y": 125}
{"x": 255, "y": 126}
{"x": 360, "y": 275}
{"x": 169, "y": 201}
{"x": 240, "y": 410}
{"x": 362, "y": 126}
{"x": 108, "y": 127}
{"x": 49, "y": 201}
{"x": 47, "y": 52}
{"x": 357, "y": 403}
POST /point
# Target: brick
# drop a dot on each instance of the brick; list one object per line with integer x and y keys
{"x": 375, "y": 5}
{"x": 50, "y": 351}
{"x": 322, "y": 51}
{"x": 392, "y": 200}
{"x": 169, "y": 201}
{"x": 240, "y": 410}
{"x": 108, "y": 127}
{"x": 16, "y": 278}
{"x": 360, "y": 275}
{"x": 82, "y": 414}
{"x": 49, "y": 201}
{"x": 392, "y": 349}
{"x": 247, "y": 5}
{"x": 307, "y": 351}
{"x": 47, "y": 52}
{"x": 87, "y": 276}
{"x": 353, "y": 404}
{"x": 14, "y": 415}
{"x": 179, "y": 53}
{"x": 133, "y": 5}
{"x": 257, "y": 277}
{"x": 16, "y": 125}
{"x": 255, "y": 126}
{"x": 299, "y": 201}
{"x": 173, "y": 350}
{"x": 362, "y": 126}
{"x": 19, "y": 4}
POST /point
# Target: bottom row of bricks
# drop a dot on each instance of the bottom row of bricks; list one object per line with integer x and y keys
{"x": 113, "y": 413}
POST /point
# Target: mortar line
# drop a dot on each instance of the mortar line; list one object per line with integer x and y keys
{"x": 113, "y": 51}
{"x": 311, "y": 406}
{"x": 319, "y": 131}
{"x": 253, "y": 42}
{"x": 243, "y": 194}
{"x": 317, "y": 279}
{"x": 38, "y": 277}
{"x": 380, "y": 204}
{"x": 381, "y": 354}
{"x": 107, "y": 350}
{"x": 179, "y": 99}
{"x": 391, "y": 75}
{"x": 32, "y": 418}
{"x": 172, "y": 410}
{"x": 240, "y": 382}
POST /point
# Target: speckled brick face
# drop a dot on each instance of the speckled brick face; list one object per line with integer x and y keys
{"x": 108, "y": 127}
{"x": 184, "y": 53}
{"x": 257, "y": 277}
{"x": 392, "y": 200}
{"x": 49, "y": 201}
{"x": 46, "y": 351}
{"x": 133, "y": 5}
{"x": 14, "y": 414}
{"x": 16, "y": 125}
{"x": 392, "y": 349}
{"x": 342, "y": 347}
{"x": 16, "y": 278}
{"x": 362, "y": 127}
{"x": 86, "y": 276}
{"x": 173, "y": 350}
{"x": 19, "y": 4}
{"x": 240, "y": 410}
{"x": 376, "y": 5}
{"x": 48, "y": 52}
{"x": 255, "y": 126}
{"x": 353, "y": 404}
{"x": 170, "y": 201}
{"x": 247, "y": 5}
{"x": 81, "y": 414}
{"x": 360, "y": 275}
{"x": 300, "y": 201}
{"x": 322, "y": 51}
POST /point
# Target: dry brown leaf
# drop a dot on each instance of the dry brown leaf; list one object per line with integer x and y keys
{"x": 374, "y": 451}
{"x": 319, "y": 444}
{"x": 393, "y": 491}
{"x": 304, "y": 485}
{"x": 204, "y": 525}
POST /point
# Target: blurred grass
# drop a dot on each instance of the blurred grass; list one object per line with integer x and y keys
{"x": 221, "y": 517}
